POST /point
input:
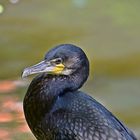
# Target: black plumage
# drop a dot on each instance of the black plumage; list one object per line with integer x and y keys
{"x": 54, "y": 107}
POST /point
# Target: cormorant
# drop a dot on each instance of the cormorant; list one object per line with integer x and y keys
{"x": 54, "y": 107}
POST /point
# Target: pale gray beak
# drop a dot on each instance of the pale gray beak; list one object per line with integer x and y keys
{"x": 38, "y": 68}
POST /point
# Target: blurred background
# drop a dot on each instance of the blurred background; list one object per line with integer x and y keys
{"x": 109, "y": 33}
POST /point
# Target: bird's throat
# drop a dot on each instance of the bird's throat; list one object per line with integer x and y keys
{"x": 41, "y": 96}
{"x": 44, "y": 91}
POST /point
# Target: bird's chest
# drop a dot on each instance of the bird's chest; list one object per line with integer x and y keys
{"x": 35, "y": 112}
{"x": 35, "y": 108}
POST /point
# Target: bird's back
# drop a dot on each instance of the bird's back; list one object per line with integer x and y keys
{"x": 77, "y": 116}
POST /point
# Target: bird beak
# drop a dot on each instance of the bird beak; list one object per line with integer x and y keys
{"x": 43, "y": 67}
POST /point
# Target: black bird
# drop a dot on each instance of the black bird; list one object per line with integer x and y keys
{"x": 54, "y": 107}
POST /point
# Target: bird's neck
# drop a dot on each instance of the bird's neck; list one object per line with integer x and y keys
{"x": 43, "y": 93}
{"x": 58, "y": 85}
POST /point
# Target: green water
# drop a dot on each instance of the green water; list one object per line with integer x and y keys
{"x": 108, "y": 31}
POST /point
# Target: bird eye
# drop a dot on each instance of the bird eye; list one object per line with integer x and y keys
{"x": 58, "y": 61}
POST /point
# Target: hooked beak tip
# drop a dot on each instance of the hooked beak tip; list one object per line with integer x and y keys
{"x": 25, "y": 73}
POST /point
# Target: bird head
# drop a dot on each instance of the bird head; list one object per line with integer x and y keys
{"x": 64, "y": 59}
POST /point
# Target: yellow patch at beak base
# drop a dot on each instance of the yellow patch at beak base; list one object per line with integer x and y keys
{"x": 58, "y": 69}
